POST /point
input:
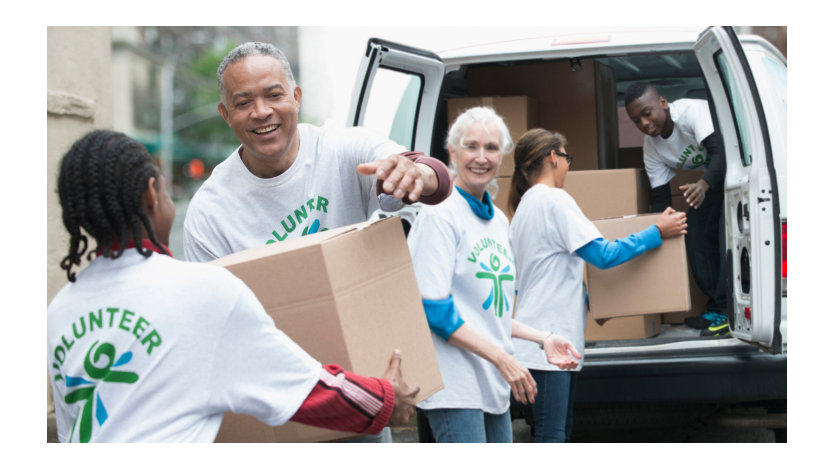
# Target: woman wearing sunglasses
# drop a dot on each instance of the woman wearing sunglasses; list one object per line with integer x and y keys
{"x": 552, "y": 239}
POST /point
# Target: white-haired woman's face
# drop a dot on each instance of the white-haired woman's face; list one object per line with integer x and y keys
{"x": 477, "y": 158}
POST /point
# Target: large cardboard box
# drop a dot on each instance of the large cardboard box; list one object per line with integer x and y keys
{"x": 520, "y": 113}
{"x": 603, "y": 194}
{"x": 655, "y": 282}
{"x": 347, "y": 296}
{"x": 635, "y": 327}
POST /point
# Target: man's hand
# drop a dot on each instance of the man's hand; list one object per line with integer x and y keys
{"x": 404, "y": 398}
{"x": 560, "y": 352}
{"x": 401, "y": 177}
{"x": 694, "y": 193}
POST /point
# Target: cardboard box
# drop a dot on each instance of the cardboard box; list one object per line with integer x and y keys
{"x": 608, "y": 193}
{"x": 698, "y": 301}
{"x": 635, "y": 327}
{"x": 520, "y": 113}
{"x": 347, "y": 296}
{"x": 683, "y": 177}
{"x": 655, "y": 282}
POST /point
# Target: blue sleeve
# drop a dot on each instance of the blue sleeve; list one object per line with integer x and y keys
{"x": 604, "y": 254}
{"x": 443, "y": 316}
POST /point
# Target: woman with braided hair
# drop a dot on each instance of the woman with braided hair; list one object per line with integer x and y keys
{"x": 143, "y": 347}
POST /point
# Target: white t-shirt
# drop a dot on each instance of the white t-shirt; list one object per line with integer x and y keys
{"x": 235, "y": 210}
{"x": 456, "y": 252}
{"x": 683, "y": 149}
{"x": 546, "y": 231}
{"x": 156, "y": 350}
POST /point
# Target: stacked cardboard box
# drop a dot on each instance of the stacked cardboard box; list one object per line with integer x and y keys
{"x": 608, "y": 193}
{"x": 636, "y": 327}
{"x": 606, "y": 196}
{"x": 347, "y": 296}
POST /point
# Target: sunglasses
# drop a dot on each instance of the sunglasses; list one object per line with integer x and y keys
{"x": 567, "y": 157}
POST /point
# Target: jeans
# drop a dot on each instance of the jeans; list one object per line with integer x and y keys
{"x": 553, "y": 408}
{"x": 705, "y": 249}
{"x": 469, "y": 425}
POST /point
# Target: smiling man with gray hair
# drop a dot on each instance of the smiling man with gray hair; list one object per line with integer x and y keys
{"x": 289, "y": 179}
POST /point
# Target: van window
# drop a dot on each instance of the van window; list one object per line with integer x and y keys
{"x": 742, "y": 123}
{"x": 392, "y": 105}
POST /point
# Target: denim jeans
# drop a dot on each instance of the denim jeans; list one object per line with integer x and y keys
{"x": 705, "y": 249}
{"x": 467, "y": 425}
{"x": 553, "y": 408}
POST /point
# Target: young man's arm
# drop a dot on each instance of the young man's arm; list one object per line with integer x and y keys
{"x": 345, "y": 401}
{"x": 714, "y": 175}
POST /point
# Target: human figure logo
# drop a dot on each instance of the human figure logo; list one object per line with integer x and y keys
{"x": 497, "y": 297}
{"x": 86, "y": 387}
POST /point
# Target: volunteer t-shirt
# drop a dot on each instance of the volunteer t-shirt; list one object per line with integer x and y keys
{"x": 545, "y": 233}
{"x": 235, "y": 210}
{"x": 682, "y": 149}
{"x": 156, "y": 350}
{"x": 456, "y": 252}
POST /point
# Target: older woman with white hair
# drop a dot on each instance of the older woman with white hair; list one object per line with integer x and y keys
{"x": 466, "y": 275}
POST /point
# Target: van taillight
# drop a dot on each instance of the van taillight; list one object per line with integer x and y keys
{"x": 784, "y": 258}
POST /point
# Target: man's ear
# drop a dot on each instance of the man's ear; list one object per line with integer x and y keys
{"x": 224, "y": 113}
{"x": 296, "y": 94}
{"x": 150, "y": 197}
{"x": 663, "y": 103}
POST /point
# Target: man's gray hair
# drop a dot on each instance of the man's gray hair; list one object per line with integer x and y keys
{"x": 253, "y": 49}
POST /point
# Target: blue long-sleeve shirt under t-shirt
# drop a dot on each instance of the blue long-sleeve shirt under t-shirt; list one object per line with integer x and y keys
{"x": 604, "y": 254}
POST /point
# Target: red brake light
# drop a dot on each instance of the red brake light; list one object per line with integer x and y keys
{"x": 784, "y": 250}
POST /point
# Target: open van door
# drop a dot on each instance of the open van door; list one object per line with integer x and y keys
{"x": 751, "y": 201}
{"x": 396, "y": 93}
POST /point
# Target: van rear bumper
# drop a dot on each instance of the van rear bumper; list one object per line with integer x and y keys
{"x": 723, "y": 376}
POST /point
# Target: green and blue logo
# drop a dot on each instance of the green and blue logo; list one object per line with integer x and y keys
{"x": 84, "y": 388}
{"x": 495, "y": 273}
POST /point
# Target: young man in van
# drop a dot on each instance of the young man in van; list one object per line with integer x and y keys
{"x": 680, "y": 135}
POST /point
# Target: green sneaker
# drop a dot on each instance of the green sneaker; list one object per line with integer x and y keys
{"x": 702, "y": 321}
{"x": 719, "y": 327}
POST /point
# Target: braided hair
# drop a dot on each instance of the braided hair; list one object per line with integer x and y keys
{"x": 100, "y": 185}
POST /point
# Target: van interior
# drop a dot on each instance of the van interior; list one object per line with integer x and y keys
{"x": 583, "y": 99}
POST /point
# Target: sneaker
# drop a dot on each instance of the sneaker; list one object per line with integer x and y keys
{"x": 719, "y": 327}
{"x": 702, "y": 321}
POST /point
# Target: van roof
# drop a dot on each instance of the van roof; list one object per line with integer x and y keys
{"x": 576, "y": 41}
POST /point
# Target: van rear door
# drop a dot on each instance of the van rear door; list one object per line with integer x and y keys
{"x": 751, "y": 204}
{"x": 396, "y": 93}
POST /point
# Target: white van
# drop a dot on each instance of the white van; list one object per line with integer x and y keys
{"x": 403, "y": 91}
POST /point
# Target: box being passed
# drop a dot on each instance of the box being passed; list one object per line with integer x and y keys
{"x": 655, "y": 282}
{"x": 347, "y": 296}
